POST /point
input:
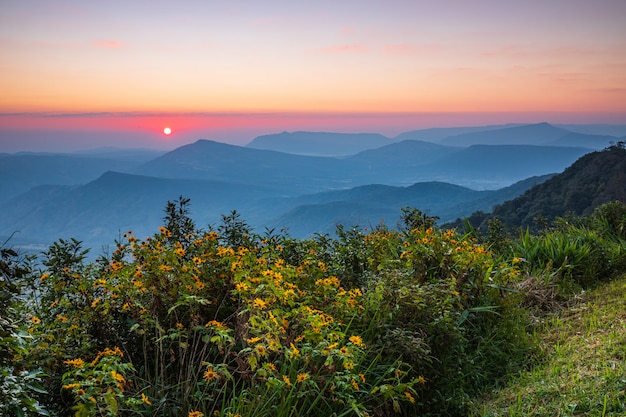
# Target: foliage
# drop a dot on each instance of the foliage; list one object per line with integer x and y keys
{"x": 225, "y": 322}
{"x": 20, "y": 380}
{"x": 582, "y": 371}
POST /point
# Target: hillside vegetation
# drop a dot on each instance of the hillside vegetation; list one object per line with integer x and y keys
{"x": 410, "y": 321}
{"x": 594, "y": 179}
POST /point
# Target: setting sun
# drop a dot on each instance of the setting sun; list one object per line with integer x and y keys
{"x": 167, "y": 131}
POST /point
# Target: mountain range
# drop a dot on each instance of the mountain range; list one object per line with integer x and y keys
{"x": 98, "y": 195}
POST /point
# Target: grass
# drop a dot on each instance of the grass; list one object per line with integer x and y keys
{"x": 582, "y": 369}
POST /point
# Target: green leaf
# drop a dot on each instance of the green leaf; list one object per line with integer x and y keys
{"x": 111, "y": 401}
{"x": 37, "y": 387}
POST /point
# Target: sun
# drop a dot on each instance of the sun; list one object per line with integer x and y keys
{"x": 167, "y": 131}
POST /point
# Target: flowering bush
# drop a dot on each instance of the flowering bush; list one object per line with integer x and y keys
{"x": 192, "y": 322}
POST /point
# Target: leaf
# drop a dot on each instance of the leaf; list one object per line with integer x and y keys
{"x": 111, "y": 401}
{"x": 37, "y": 387}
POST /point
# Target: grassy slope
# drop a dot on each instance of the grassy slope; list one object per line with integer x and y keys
{"x": 584, "y": 370}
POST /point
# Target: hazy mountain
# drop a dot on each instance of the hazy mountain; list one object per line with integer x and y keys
{"x": 219, "y": 161}
{"x": 583, "y": 140}
{"x": 22, "y": 171}
{"x": 319, "y": 143}
{"x": 439, "y": 133}
{"x": 596, "y": 129}
{"x": 403, "y": 163}
{"x": 370, "y": 205}
{"x": 534, "y": 134}
{"x": 594, "y": 179}
{"x": 134, "y": 155}
{"x": 96, "y": 211}
{"x": 496, "y": 166}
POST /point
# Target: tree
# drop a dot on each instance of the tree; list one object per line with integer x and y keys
{"x": 178, "y": 222}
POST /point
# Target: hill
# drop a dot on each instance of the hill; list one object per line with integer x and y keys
{"x": 438, "y": 134}
{"x": 97, "y": 211}
{"x": 594, "y": 179}
{"x": 22, "y": 171}
{"x": 496, "y": 166}
{"x": 541, "y": 134}
{"x": 399, "y": 164}
{"x": 370, "y": 205}
{"x": 207, "y": 159}
{"x": 319, "y": 143}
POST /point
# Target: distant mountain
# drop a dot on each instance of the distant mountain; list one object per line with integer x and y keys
{"x": 594, "y": 179}
{"x": 534, "y": 134}
{"x": 22, "y": 171}
{"x": 370, "y": 205}
{"x": 583, "y": 140}
{"x": 319, "y": 143}
{"x": 403, "y": 163}
{"x": 597, "y": 129}
{"x": 440, "y": 133}
{"x": 97, "y": 211}
{"x": 206, "y": 159}
{"x": 495, "y": 166}
{"x": 134, "y": 155}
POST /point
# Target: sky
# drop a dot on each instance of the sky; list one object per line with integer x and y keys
{"x": 81, "y": 74}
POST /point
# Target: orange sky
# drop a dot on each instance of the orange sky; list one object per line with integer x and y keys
{"x": 407, "y": 64}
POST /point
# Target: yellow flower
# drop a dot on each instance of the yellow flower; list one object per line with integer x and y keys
{"x": 118, "y": 377}
{"x": 179, "y": 325}
{"x": 356, "y": 340}
{"x": 409, "y": 396}
{"x": 294, "y": 352}
{"x": 145, "y": 399}
{"x": 421, "y": 379}
{"x": 348, "y": 365}
{"x": 272, "y": 367}
{"x": 35, "y": 320}
{"x": 216, "y": 324}
{"x": 261, "y": 350}
{"x": 355, "y": 385}
{"x": 195, "y": 414}
{"x": 259, "y": 303}
{"x": 76, "y": 363}
{"x": 287, "y": 380}
{"x": 210, "y": 374}
{"x": 241, "y": 286}
{"x": 302, "y": 377}
{"x": 61, "y": 318}
{"x": 44, "y": 277}
{"x": 362, "y": 377}
{"x": 70, "y": 386}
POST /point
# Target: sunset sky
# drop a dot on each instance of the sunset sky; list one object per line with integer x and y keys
{"x": 83, "y": 74}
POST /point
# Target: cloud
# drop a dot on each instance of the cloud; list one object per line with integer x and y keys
{"x": 106, "y": 44}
